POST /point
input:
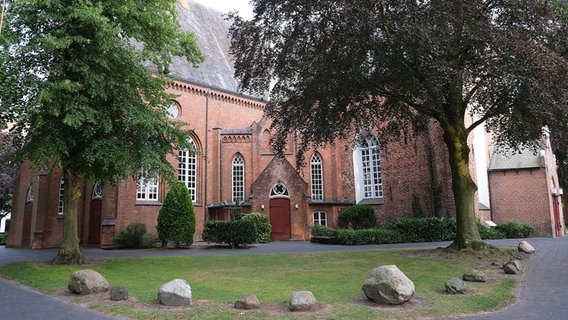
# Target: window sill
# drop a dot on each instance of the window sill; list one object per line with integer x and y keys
{"x": 147, "y": 203}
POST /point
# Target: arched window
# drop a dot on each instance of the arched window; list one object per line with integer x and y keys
{"x": 187, "y": 169}
{"x": 238, "y": 179}
{"x": 316, "y": 173}
{"x": 367, "y": 166}
{"x": 30, "y": 194}
{"x": 279, "y": 190}
{"x": 97, "y": 191}
{"x": 61, "y": 189}
{"x": 320, "y": 217}
{"x": 147, "y": 188}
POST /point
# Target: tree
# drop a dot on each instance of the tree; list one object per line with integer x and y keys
{"x": 81, "y": 95}
{"x": 8, "y": 173}
{"x": 176, "y": 220}
{"x": 385, "y": 65}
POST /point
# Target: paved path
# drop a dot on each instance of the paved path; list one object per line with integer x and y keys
{"x": 544, "y": 282}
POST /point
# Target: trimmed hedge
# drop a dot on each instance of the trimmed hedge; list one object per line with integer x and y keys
{"x": 135, "y": 236}
{"x": 368, "y": 236}
{"x": 488, "y": 233}
{"x": 234, "y": 233}
{"x": 424, "y": 229}
{"x": 514, "y": 229}
{"x": 357, "y": 217}
{"x": 262, "y": 225}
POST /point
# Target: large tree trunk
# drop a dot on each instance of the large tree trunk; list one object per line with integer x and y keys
{"x": 70, "y": 251}
{"x": 464, "y": 188}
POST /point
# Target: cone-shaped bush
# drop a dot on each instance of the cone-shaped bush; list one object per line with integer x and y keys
{"x": 176, "y": 220}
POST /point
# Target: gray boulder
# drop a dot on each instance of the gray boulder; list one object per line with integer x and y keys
{"x": 474, "y": 276}
{"x": 247, "y": 302}
{"x": 175, "y": 293}
{"x": 526, "y": 247}
{"x": 87, "y": 281}
{"x": 387, "y": 284}
{"x": 302, "y": 301}
{"x": 513, "y": 267}
{"x": 118, "y": 293}
{"x": 456, "y": 286}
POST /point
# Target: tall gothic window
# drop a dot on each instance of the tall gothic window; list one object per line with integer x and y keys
{"x": 61, "y": 189}
{"x": 367, "y": 165}
{"x": 187, "y": 169}
{"x": 238, "y": 179}
{"x": 147, "y": 188}
{"x": 316, "y": 177}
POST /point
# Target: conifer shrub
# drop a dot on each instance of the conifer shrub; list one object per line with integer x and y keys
{"x": 235, "y": 233}
{"x": 176, "y": 220}
{"x": 263, "y": 226}
{"x": 357, "y": 217}
{"x": 135, "y": 236}
{"x": 515, "y": 229}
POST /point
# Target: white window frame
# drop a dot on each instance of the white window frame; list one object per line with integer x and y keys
{"x": 316, "y": 177}
{"x": 238, "y": 179}
{"x": 61, "y": 205}
{"x": 147, "y": 188}
{"x": 319, "y": 217}
{"x": 187, "y": 170}
{"x": 367, "y": 169}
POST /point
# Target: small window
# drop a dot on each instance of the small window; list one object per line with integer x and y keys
{"x": 238, "y": 179}
{"x": 147, "y": 188}
{"x": 61, "y": 189}
{"x": 320, "y": 217}
{"x": 97, "y": 191}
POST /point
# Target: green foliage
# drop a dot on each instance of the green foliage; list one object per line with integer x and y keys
{"x": 357, "y": 217}
{"x": 3, "y": 237}
{"x": 135, "y": 236}
{"x": 263, "y": 226}
{"x": 514, "y": 229}
{"x": 235, "y": 233}
{"x": 424, "y": 229}
{"x": 488, "y": 233}
{"x": 176, "y": 220}
{"x": 368, "y": 236}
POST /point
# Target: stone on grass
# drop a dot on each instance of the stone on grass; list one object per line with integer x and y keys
{"x": 87, "y": 281}
{"x": 247, "y": 302}
{"x": 526, "y": 247}
{"x": 456, "y": 286}
{"x": 512, "y": 267}
{"x": 387, "y": 284}
{"x": 302, "y": 301}
{"x": 175, "y": 293}
{"x": 118, "y": 293}
{"x": 474, "y": 276}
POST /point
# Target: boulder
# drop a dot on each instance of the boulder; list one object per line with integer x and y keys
{"x": 118, "y": 293}
{"x": 512, "y": 267}
{"x": 526, "y": 247}
{"x": 456, "y": 286}
{"x": 175, "y": 293}
{"x": 387, "y": 284}
{"x": 302, "y": 301}
{"x": 474, "y": 276}
{"x": 87, "y": 281}
{"x": 247, "y": 302}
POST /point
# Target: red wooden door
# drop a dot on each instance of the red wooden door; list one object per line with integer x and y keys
{"x": 95, "y": 222}
{"x": 27, "y": 225}
{"x": 280, "y": 219}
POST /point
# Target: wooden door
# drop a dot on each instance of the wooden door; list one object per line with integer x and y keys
{"x": 557, "y": 223}
{"x": 27, "y": 225}
{"x": 280, "y": 219}
{"x": 95, "y": 222}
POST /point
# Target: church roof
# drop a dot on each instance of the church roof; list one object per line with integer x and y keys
{"x": 510, "y": 160}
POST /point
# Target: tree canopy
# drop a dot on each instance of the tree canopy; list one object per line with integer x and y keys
{"x": 384, "y": 65}
{"x": 79, "y": 90}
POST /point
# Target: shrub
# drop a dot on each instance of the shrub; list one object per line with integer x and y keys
{"x": 368, "y": 236}
{"x": 135, "y": 236}
{"x": 424, "y": 229}
{"x": 3, "y": 237}
{"x": 323, "y": 234}
{"x": 262, "y": 225}
{"x": 488, "y": 233}
{"x": 514, "y": 229}
{"x": 357, "y": 217}
{"x": 176, "y": 220}
{"x": 234, "y": 233}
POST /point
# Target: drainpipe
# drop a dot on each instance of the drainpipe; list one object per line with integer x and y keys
{"x": 206, "y": 210}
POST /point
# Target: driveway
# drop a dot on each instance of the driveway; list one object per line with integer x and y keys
{"x": 543, "y": 295}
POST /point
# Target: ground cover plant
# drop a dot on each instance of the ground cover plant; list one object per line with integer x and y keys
{"x": 335, "y": 278}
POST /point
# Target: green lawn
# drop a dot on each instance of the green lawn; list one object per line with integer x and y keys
{"x": 335, "y": 278}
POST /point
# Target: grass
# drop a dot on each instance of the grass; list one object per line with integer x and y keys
{"x": 335, "y": 278}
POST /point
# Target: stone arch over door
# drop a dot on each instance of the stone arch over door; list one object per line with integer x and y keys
{"x": 280, "y": 215}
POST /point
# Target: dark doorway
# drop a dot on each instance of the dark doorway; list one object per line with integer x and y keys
{"x": 95, "y": 222}
{"x": 27, "y": 225}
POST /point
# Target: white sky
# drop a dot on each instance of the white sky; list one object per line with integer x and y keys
{"x": 245, "y": 10}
